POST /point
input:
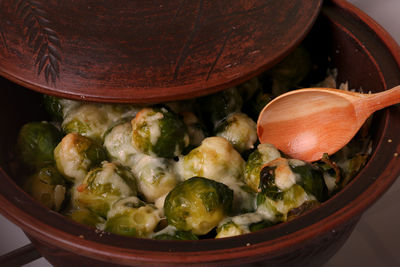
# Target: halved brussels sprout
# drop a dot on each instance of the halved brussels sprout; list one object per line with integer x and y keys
{"x": 262, "y": 155}
{"x": 156, "y": 177}
{"x": 48, "y": 187}
{"x": 216, "y": 107}
{"x": 132, "y": 217}
{"x": 35, "y": 144}
{"x": 118, "y": 143}
{"x": 171, "y": 233}
{"x": 103, "y": 186}
{"x": 198, "y": 205}
{"x": 86, "y": 217}
{"x": 159, "y": 132}
{"x": 76, "y": 154}
{"x": 239, "y": 129}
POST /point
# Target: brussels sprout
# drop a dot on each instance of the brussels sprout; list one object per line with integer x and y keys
{"x": 47, "y": 186}
{"x": 261, "y": 225}
{"x": 118, "y": 113}
{"x": 76, "y": 154}
{"x": 311, "y": 179}
{"x": 306, "y": 206}
{"x": 35, "y": 144}
{"x": 86, "y": 217}
{"x": 286, "y": 185}
{"x": 352, "y": 157}
{"x": 215, "y": 159}
{"x": 249, "y": 88}
{"x": 262, "y": 155}
{"x": 181, "y": 106}
{"x": 238, "y": 225}
{"x": 88, "y": 120}
{"x": 229, "y": 229}
{"x": 171, "y": 233}
{"x": 159, "y": 202}
{"x": 255, "y": 105}
{"x": 291, "y": 71}
{"x": 275, "y": 206}
{"x": 159, "y": 132}
{"x": 57, "y": 108}
{"x": 198, "y": 205}
{"x": 132, "y": 217}
{"x": 331, "y": 172}
{"x": 103, "y": 186}
{"x": 196, "y": 130}
{"x": 239, "y": 130}
{"x": 156, "y": 177}
{"x": 118, "y": 143}
{"x": 216, "y": 107}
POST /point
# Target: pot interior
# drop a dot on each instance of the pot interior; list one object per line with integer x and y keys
{"x": 338, "y": 40}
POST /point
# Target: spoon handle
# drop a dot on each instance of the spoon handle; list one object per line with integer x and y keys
{"x": 383, "y": 99}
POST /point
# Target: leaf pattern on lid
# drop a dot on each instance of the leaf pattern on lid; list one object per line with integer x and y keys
{"x": 41, "y": 38}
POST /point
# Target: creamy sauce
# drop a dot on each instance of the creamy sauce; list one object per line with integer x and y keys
{"x": 152, "y": 122}
{"x": 108, "y": 175}
{"x": 284, "y": 177}
{"x": 215, "y": 159}
{"x": 92, "y": 116}
{"x": 155, "y": 177}
{"x": 119, "y": 143}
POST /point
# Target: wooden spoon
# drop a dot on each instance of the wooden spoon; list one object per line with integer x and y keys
{"x": 306, "y": 123}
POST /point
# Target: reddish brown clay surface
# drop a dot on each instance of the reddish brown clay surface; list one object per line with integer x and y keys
{"x": 146, "y": 51}
{"x": 364, "y": 54}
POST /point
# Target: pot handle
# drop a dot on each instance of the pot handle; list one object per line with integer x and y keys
{"x": 20, "y": 256}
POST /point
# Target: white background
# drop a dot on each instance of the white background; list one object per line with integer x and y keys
{"x": 376, "y": 239}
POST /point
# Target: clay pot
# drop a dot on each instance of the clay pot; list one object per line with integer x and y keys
{"x": 365, "y": 56}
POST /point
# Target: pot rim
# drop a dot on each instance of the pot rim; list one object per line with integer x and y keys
{"x": 244, "y": 247}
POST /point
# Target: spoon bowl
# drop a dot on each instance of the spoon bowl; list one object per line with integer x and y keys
{"x": 307, "y": 123}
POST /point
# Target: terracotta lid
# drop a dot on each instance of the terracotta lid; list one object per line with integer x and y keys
{"x": 146, "y": 51}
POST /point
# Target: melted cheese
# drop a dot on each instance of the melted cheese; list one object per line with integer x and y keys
{"x": 145, "y": 116}
{"x": 268, "y": 152}
{"x": 108, "y": 175}
{"x": 284, "y": 177}
{"x": 245, "y": 220}
{"x": 70, "y": 162}
{"x": 241, "y": 131}
{"x": 92, "y": 116}
{"x": 119, "y": 143}
{"x": 155, "y": 177}
{"x": 215, "y": 159}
